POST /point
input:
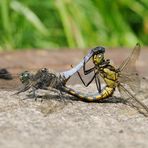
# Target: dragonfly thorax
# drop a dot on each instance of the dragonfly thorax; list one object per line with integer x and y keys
{"x": 109, "y": 75}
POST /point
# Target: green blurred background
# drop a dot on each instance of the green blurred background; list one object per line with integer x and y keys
{"x": 72, "y": 23}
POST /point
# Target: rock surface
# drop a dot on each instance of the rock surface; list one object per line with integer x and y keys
{"x": 69, "y": 123}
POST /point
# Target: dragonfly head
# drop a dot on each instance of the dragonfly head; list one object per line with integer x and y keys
{"x": 98, "y": 55}
{"x": 98, "y": 50}
{"x": 25, "y": 77}
{"x": 98, "y": 59}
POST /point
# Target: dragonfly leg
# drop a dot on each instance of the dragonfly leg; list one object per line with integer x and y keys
{"x": 86, "y": 72}
{"x": 98, "y": 84}
{"x": 33, "y": 93}
{"x": 83, "y": 80}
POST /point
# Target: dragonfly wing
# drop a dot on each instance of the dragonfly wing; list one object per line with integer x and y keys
{"x": 129, "y": 63}
{"x": 131, "y": 79}
{"x": 133, "y": 100}
{"x": 127, "y": 71}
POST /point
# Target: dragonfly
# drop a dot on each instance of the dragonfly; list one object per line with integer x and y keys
{"x": 125, "y": 78}
{"x": 43, "y": 78}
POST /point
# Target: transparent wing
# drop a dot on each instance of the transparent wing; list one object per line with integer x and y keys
{"x": 127, "y": 71}
{"x": 131, "y": 60}
{"x": 133, "y": 100}
{"x": 144, "y": 88}
{"x": 130, "y": 79}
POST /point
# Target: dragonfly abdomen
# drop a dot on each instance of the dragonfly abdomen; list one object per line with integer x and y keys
{"x": 105, "y": 93}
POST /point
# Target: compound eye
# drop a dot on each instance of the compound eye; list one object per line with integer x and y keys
{"x": 26, "y": 75}
{"x": 98, "y": 50}
{"x": 102, "y": 49}
{"x": 44, "y": 69}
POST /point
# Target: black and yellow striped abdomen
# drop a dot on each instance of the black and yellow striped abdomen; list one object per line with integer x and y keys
{"x": 105, "y": 93}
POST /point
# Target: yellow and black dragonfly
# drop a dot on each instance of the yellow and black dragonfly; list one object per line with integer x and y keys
{"x": 125, "y": 78}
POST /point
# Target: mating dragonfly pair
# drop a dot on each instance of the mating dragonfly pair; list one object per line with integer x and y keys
{"x": 125, "y": 79}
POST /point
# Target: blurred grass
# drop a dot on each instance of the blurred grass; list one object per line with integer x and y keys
{"x": 67, "y": 23}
